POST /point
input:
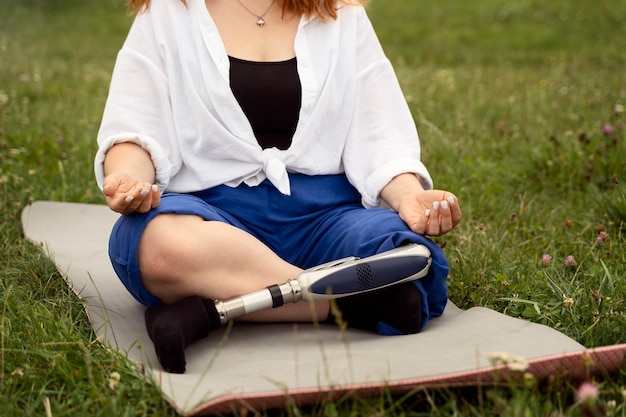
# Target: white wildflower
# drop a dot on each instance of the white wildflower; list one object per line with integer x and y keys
{"x": 114, "y": 378}
{"x": 518, "y": 364}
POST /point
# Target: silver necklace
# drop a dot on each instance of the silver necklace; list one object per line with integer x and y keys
{"x": 260, "y": 21}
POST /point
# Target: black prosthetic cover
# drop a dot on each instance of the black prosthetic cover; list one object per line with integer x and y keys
{"x": 400, "y": 306}
{"x": 172, "y": 327}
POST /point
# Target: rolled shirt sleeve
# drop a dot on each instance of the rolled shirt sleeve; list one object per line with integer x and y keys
{"x": 383, "y": 141}
{"x": 138, "y": 106}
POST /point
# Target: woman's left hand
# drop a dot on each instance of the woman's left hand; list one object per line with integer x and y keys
{"x": 426, "y": 212}
{"x": 430, "y": 212}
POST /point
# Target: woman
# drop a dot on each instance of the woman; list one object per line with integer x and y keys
{"x": 274, "y": 129}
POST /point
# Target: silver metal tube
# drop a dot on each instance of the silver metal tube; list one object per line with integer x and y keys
{"x": 240, "y": 306}
{"x": 291, "y": 291}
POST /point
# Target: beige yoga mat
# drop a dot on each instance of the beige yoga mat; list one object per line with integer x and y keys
{"x": 269, "y": 365}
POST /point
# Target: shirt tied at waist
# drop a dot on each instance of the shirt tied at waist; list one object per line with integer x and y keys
{"x": 276, "y": 170}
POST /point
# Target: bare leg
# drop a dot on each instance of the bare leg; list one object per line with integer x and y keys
{"x": 182, "y": 255}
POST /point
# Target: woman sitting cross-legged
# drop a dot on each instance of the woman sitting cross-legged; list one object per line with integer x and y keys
{"x": 244, "y": 141}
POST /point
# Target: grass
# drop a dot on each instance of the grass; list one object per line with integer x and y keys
{"x": 520, "y": 107}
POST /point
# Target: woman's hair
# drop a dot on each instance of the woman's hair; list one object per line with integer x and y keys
{"x": 322, "y": 9}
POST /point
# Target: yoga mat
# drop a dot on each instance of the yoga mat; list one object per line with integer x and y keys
{"x": 259, "y": 366}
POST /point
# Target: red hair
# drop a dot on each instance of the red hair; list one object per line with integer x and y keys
{"x": 319, "y": 8}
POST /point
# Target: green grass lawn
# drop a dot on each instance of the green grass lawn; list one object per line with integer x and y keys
{"x": 521, "y": 111}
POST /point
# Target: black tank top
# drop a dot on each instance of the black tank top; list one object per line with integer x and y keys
{"x": 269, "y": 94}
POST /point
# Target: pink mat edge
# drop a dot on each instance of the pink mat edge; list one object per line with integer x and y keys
{"x": 580, "y": 364}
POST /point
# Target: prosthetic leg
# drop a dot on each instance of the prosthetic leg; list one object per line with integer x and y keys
{"x": 336, "y": 279}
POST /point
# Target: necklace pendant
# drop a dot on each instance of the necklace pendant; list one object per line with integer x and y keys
{"x": 260, "y": 22}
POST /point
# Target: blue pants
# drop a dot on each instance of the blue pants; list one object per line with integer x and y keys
{"x": 322, "y": 220}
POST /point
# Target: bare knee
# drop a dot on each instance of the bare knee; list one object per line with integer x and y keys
{"x": 182, "y": 255}
{"x": 166, "y": 251}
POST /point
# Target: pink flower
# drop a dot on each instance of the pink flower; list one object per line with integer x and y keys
{"x": 546, "y": 259}
{"x": 570, "y": 262}
{"x": 607, "y": 129}
{"x": 587, "y": 391}
{"x": 602, "y": 237}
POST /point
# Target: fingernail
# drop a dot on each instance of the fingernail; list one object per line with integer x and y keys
{"x": 451, "y": 200}
{"x": 435, "y": 205}
{"x": 444, "y": 204}
{"x": 427, "y": 213}
{"x": 155, "y": 188}
{"x": 144, "y": 192}
{"x": 129, "y": 198}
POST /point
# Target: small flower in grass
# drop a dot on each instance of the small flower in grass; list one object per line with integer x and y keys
{"x": 546, "y": 259}
{"x": 569, "y": 224}
{"x": 529, "y": 380}
{"x": 570, "y": 262}
{"x": 498, "y": 358}
{"x": 607, "y": 129}
{"x": 568, "y": 301}
{"x": 587, "y": 392}
{"x": 514, "y": 363}
{"x": 114, "y": 378}
{"x": 618, "y": 109}
{"x": 602, "y": 237}
{"x": 518, "y": 364}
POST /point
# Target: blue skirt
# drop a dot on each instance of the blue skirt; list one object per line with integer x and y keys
{"x": 321, "y": 221}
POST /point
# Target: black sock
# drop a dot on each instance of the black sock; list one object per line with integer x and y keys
{"x": 399, "y": 306}
{"x": 172, "y": 327}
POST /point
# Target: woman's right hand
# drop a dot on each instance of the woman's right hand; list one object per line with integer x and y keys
{"x": 129, "y": 179}
{"x": 126, "y": 194}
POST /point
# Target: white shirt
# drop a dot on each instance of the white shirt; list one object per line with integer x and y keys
{"x": 170, "y": 93}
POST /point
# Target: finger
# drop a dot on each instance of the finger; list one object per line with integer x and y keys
{"x": 130, "y": 201}
{"x": 139, "y": 198}
{"x": 109, "y": 186}
{"x": 148, "y": 197}
{"x": 433, "y": 220}
{"x": 126, "y": 206}
{"x": 156, "y": 196}
{"x": 145, "y": 199}
{"x": 455, "y": 210}
{"x": 145, "y": 191}
{"x": 445, "y": 216}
